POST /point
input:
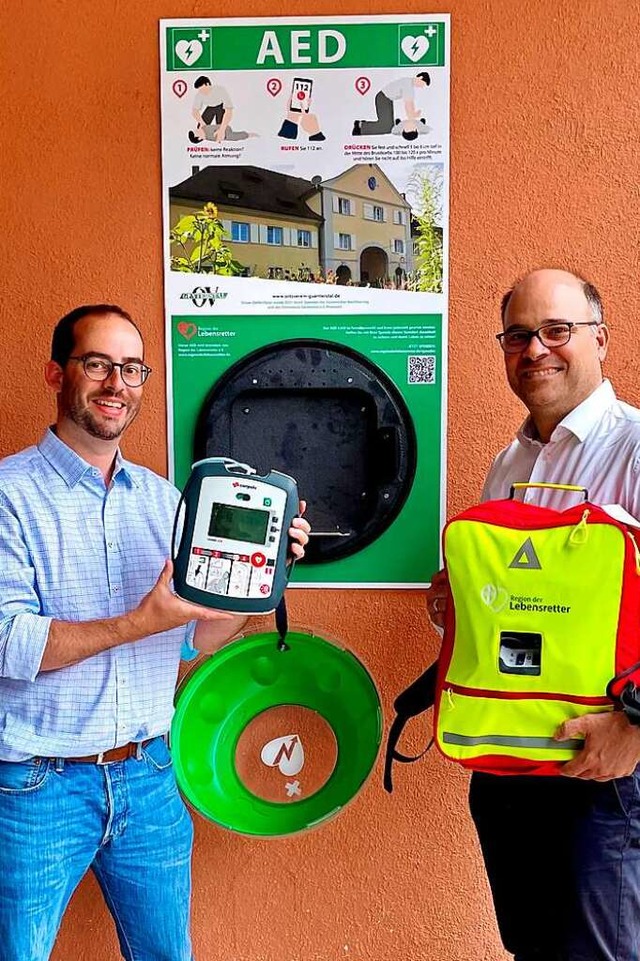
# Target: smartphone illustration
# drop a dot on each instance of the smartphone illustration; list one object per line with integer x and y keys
{"x": 300, "y": 95}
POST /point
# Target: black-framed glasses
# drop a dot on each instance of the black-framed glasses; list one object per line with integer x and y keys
{"x": 555, "y": 334}
{"x": 98, "y": 368}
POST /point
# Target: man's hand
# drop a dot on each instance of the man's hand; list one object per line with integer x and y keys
{"x": 299, "y": 533}
{"x": 162, "y": 610}
{"x": 611, "y": 747}
{"x": 437, "y": 598}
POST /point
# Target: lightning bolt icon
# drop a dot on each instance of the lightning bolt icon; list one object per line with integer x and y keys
{"x": 414, "y": 48}
{"x": 188, "y": 51}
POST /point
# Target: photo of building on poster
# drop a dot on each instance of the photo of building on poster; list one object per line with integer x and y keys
{"x": 305, "y": 195}
{"x": 356, "y": 228}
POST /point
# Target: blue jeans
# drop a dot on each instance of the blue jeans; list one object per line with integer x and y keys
{"x": 126, "y": 822}
{"x": 563, "y": 861}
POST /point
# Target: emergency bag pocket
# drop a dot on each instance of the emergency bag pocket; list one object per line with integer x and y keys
{"x": 484, "y": 732}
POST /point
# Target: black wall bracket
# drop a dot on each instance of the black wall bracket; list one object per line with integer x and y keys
{"x": 330, "y": 418}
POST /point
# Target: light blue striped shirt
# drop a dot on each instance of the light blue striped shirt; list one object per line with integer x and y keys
{"x": 72, "y": 550}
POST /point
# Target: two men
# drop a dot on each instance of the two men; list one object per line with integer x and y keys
{"x": 90, "y": 639}
{"x": 563, "y": 853}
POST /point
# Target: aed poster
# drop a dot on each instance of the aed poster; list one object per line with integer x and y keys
{"x": 305, "y": 182}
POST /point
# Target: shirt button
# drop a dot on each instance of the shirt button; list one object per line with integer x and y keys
{"x": 115, "y": 590}
{"x": 110, "y": 544}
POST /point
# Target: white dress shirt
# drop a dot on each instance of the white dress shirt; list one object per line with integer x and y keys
{"x": 596, "y": 446}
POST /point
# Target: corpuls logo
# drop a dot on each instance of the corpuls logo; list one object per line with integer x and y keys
{"x": 496, "y": 598}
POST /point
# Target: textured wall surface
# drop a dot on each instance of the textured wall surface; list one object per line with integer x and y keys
{"x": 545, "y": 122}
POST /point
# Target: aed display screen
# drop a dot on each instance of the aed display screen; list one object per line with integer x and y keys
{"x": 239, "y": 523}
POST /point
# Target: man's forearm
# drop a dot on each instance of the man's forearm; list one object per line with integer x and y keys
{"x": 69, "y": 642}
{"x": 160, "y": 610}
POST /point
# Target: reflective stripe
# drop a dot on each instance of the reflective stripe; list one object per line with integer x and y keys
{"x": 504, "y": 740}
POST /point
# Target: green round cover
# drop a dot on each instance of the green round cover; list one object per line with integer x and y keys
{"x": 221, "y": 696}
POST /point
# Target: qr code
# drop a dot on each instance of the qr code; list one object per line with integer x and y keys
{"x": 422, "y": 369}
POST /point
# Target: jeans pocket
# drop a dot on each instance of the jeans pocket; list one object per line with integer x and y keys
{"x": 22, "y": 777}
{"x": 626, "y": 792}
{"x": 157, "y": 754}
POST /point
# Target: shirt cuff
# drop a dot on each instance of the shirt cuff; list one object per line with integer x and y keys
{"x": 24, "y": 646}
{"x": 189, "y": 652}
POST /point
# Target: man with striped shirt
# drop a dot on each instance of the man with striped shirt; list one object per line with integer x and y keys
{"x": 90, "y": 640}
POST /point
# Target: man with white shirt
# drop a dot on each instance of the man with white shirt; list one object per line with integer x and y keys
{"x": 563, "y": 853}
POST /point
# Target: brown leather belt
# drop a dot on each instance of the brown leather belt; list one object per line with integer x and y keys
{"x": 132, "y": 749}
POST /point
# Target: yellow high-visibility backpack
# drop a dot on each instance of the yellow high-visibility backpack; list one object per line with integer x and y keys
{"x": 542, "y": 625}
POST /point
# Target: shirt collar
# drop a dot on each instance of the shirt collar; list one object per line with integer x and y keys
{"x": 71, "y": 467}
{"x": 580, "y": 421}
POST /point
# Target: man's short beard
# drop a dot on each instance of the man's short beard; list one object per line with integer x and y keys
{"x": 84, "y": 419}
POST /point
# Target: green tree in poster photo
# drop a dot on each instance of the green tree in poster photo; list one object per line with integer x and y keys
{"x": 427, "y": 185}
{"x": 198, "y": 245}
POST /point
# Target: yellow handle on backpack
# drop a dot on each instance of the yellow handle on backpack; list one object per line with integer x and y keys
{"x": 520, "y": 485}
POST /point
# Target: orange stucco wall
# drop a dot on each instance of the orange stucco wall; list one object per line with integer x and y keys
{"x": 544, "y": 160}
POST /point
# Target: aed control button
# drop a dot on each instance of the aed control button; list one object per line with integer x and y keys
{"x": 258, "y": 559}
{"x": 243, "y": 497}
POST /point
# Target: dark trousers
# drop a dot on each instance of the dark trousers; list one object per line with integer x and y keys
{"x": 213, "y": 114}
{"x": 563, "y": 861}
{"x": 384, "y": 116}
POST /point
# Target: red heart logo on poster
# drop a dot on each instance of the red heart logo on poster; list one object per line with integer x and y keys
{"x": 187, "y": 330}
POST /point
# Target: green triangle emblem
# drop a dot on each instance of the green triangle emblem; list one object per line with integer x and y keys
{"x": 526, "y": 558}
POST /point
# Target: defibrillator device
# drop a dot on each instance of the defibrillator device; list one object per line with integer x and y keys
{"x": 542, "y": 625}
{"x": 233, "y": 547}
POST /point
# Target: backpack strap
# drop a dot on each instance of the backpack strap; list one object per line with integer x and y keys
{"x": 627, "y": 698}
{"x": 282, "y": 624}
{"x": 417, "y": 698}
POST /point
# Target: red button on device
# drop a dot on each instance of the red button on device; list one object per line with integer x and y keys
{"x": 258, "y": 559}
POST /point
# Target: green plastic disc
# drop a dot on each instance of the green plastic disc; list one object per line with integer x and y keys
{"x": 247, "y": 683}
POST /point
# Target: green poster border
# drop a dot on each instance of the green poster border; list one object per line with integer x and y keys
{"x": 235, "y": 46}
{"x": 408, "y": 552}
